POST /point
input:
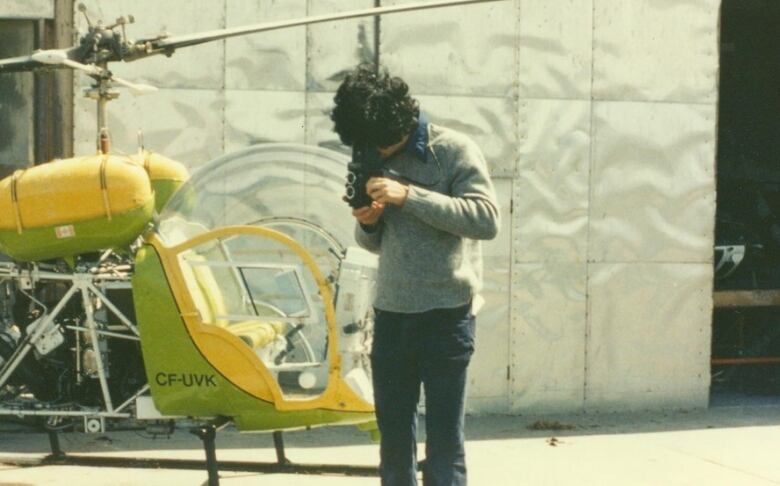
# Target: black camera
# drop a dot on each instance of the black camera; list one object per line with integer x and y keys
{"x": 366, "y": 163}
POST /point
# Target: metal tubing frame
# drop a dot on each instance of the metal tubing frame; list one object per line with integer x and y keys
{"x": 11, "y": 270}
{"x": 132, "y": 398}
{"x": 105, "y": 333}
{"x": 93, "y": 336}
{"x": 112, "y": 308}
{"x": 83, "y": 283}
{"x": 61, "y": 413}
{"x": 21, "y": 352}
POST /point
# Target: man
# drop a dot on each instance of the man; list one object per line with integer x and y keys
{"x": 433, "y": 202}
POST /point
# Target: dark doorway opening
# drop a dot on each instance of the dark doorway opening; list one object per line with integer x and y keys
{"x": 36, "y": 108}
{"x": 746, "y": 320}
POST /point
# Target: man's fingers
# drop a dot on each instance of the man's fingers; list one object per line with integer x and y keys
{"x": 384, "y": 190}
{"x": 375, "y": 183}
{"x": 368, "y": 214}
{"x": 366, "y": 210}
{"x": 377, "y": 190}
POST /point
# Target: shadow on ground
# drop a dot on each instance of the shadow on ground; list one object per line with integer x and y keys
{"x": 20, "y": 437}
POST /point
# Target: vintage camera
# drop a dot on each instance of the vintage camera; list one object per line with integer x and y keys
{"x": 366, "y": 163}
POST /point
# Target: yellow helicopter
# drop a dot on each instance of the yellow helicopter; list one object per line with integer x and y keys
{"x": 138, "y": 292}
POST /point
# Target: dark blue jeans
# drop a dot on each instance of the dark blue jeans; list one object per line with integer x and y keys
{"x": 433, "y": 348}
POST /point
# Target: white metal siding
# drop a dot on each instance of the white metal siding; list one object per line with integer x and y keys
{"x": 598, "y": 121}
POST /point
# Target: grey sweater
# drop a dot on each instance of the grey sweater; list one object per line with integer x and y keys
{"x": 429, "y": 253}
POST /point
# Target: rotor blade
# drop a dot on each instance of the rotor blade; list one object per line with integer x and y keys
{"x": 50, "y": 56}
{"x": 21, "y": 63}
{"x": 49, "y": 59}
{"x": 135, "y": 88}
{"x": 175, "y": 42}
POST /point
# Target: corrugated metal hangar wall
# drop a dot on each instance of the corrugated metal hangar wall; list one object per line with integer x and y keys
{"x": 598, "y": 119}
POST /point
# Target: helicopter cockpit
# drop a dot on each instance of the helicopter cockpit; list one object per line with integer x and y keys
{"x": 293, "y": 292}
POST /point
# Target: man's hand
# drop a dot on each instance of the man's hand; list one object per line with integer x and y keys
{"x": 369, "y": 215}
{"x": 387, "y": 191}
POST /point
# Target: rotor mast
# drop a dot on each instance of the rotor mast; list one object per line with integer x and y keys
{"x": 102, "y": 93}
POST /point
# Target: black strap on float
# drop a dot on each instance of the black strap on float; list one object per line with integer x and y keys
{"x": 148, "y": 164}
{"x": 15, "y": 200}
{"x": 104, "y": 186}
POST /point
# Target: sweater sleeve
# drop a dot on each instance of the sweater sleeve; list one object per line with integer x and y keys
{"x": 470, "y": 210}
{"x": 369, "y": 237}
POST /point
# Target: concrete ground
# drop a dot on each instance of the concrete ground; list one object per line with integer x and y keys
{"x": 722, "y": 446}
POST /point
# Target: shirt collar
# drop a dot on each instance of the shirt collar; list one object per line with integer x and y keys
{"x": 418, "y": 140}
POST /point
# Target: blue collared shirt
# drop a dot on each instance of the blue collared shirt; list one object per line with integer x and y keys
{"x": 418, "y": 141}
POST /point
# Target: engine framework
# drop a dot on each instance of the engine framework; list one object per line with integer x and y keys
{"x": 91, "y": 286}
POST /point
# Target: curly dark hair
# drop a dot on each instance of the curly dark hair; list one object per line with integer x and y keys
{"x": 373, "y": 108}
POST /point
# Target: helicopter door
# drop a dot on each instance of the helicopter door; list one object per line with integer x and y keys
{"x": 262, "y": 291}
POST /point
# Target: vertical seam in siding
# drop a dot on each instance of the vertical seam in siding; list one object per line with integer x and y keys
{"x": 513, "y": 217}
{"x": 588, "y": 258}
{"x": 306, "y": 76}
{"x": 377, "y": 34}
{"x": 224, "y": 77}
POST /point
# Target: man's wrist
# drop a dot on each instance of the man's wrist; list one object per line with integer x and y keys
{"x": 405, "y": 196}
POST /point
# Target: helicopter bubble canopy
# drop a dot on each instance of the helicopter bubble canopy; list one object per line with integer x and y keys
{"x": 283, "y": 186}
{"x": 295, "y": 190}
{"x": 291, "y": 188}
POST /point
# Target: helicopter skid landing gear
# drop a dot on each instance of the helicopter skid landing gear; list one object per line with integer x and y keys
{"x": 54, "y": 442}
{"x": 281, "y": 459}
{"x": 208, "y": 434}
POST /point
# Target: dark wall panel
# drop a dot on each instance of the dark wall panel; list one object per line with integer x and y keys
{"x": 17, "y": 38}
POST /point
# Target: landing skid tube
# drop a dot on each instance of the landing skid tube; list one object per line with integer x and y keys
{"x": 207, "y": 433}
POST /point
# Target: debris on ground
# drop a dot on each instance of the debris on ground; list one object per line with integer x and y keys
{"x": 551, "y": 425}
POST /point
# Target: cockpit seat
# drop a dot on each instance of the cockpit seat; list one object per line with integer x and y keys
{"x": 210, "y": 302}
{"x": 257, "y": 334}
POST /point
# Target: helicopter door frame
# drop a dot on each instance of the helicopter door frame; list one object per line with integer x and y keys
{"x": 236, "y": 274}
{"x": 307, "y": 318}
{"x": 337, "y": 394}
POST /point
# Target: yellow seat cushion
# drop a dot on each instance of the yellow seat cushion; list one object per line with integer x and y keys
{"x": 208, "y": 299}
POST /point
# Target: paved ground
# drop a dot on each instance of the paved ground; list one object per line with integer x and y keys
{"x": 724, "y": 446}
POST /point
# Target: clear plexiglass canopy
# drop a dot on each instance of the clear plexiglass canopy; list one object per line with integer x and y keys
{"x": 265, "y": 184}
{"x": 258, "y": 288}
